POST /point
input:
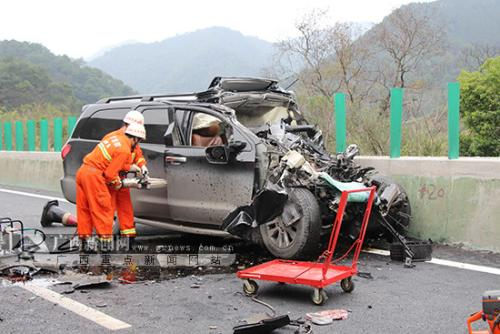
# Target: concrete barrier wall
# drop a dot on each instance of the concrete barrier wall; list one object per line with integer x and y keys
{"x": 37, "y": 170}
{"x": 453, "y": 201}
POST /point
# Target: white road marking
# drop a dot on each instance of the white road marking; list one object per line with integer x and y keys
{"x": 32, "y": 195}
{"x": 80, "y": 309}
{"x": 467, "y": 266}
{"x": 447, "y": 263}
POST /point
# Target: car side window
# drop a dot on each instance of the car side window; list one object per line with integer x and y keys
{"x": 206, "y": 130}
{"x": 156, "y": 123}
{"x": 102, "y": 122}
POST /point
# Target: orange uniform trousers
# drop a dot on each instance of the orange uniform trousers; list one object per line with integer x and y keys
{"x": 122, "y": 204}
{"x": 93, "y": 203}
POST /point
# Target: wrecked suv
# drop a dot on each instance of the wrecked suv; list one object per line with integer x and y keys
{"x": 269, "y": 178}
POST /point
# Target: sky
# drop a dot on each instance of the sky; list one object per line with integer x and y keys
{"x": 82, "y": 29}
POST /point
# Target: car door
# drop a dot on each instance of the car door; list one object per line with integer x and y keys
{"x": 199, "y": 191}
{"x": 152, "y": 203}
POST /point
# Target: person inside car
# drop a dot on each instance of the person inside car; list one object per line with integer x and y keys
{"x": 206, "y": 131}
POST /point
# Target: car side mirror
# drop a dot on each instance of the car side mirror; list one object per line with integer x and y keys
{"x": 217, "y": 154}
{"x": 168, "y": 137}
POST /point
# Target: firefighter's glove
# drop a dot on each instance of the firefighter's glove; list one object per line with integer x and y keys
{"x": 117, "y": 185}
{"x": 135, "y": 169}
{"x": 144, "y": 171}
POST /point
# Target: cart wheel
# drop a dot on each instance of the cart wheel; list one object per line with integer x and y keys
{"x": 250, "y": 287}
{"x": 319, "y": 296}
{"x": 347, "y": 284}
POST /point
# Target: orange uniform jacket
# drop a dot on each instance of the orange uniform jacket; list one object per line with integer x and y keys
{"x": 121, "y": 200}
{"x": 100, "y": 168}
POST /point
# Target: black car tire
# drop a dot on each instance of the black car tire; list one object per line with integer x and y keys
{"x": 306, "y": 230}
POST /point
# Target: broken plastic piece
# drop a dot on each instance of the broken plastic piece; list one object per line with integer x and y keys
{"x": 326, "y": 317}
{"x": 267, "y": 205}
{"x": 263, "y": 327}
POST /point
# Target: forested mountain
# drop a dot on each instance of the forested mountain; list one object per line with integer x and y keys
{"x": 186, "y": 62}
{"x": 31, "y": 74}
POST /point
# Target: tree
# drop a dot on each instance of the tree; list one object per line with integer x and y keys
{"x": 329, "y": 57}
{"x": 474, "y": 56}
{"x": 408, "y": 36}
{"x": 480, "y": 107}
{"x": 326, "y": 59}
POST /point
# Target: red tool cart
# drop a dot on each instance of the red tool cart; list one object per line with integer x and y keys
{"x": 316, "y": 274}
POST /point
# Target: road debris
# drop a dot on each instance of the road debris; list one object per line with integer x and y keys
{"x": 366, "y": 275}
{"x": 327, "y": 317}
{"x": 84, "y": 281}
{"x": 19, "y": 272}
{"x": 264, "y": 326}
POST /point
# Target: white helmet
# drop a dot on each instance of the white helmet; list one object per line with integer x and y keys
{"x": 136, "y": 130}
{"x": 133, "y": 116}
{"x": 201, "y": 121}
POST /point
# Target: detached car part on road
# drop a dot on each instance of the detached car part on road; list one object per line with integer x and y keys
{"x": 271, "y": 181}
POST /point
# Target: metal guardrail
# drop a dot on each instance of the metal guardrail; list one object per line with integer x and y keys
{"x": 396, "y": 113}
{"x": 25, "y": 136}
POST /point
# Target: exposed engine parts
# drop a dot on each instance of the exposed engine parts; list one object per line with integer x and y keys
{"x": 297, "y": 159}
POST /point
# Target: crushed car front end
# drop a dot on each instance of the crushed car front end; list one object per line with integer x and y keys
{"x": 300, "y": 182}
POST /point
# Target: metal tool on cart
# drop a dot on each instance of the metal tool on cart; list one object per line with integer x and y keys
{"x": 12, "y": 238}
{"x": 316, "y": 274}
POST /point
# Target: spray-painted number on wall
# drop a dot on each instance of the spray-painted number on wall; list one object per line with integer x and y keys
{"x": 430, "y": 191}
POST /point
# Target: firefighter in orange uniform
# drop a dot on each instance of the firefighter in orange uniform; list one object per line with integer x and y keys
{"x": 121, "y": 200}
{"x": 100, "y": 170}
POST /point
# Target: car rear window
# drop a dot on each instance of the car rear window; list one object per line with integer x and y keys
{"x": 102, "y": 122}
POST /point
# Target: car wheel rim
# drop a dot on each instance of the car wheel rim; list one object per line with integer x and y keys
{"x": 281, "y": 236}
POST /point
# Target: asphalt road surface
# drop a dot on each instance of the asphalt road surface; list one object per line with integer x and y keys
{"x": 429, "y": 298}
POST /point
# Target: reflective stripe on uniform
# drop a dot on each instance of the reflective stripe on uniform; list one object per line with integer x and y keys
{"x": 128, "y": 231}
{"x": 141, "y": 160}
{"x": 105, "y": 238}
{"x": 104, "y": 151}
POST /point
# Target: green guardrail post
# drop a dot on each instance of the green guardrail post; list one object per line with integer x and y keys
{"x": 30, "y": 126}
{"x": 19, "y": 136}
{"x": 71, "y": 124}
{"x": 340, "y": 123}
{"x": 1, "y": 136}
{"x": 453, "y": 120}
{"x": 8, "y": 136}
{"x": 58, "y": 134}
{"x": 44, "y": 135}
{"x": 396, "y": 121}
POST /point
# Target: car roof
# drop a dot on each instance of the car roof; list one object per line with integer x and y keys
{"x": 216, "y": 87}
